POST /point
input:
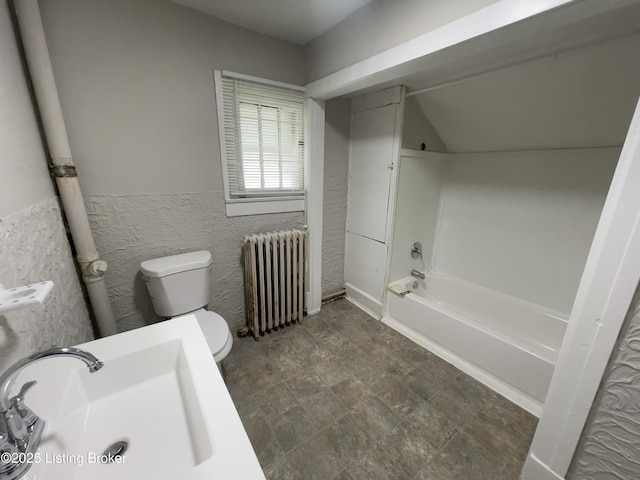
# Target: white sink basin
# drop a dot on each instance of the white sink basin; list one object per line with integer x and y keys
{"x": 160, "y": 391}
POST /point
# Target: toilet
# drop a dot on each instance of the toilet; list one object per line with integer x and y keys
{"x": 180, "y": 285}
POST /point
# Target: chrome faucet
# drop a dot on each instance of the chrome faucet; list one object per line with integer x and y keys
{"x": 20, "y": 428}
{"x": 415, "y": 273}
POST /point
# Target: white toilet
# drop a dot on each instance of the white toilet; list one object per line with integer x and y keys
{"x": 179, "y": 285}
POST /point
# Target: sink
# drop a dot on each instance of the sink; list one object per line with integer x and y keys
{"x": 159, "y": 393}
{"x": 129, "y": 402}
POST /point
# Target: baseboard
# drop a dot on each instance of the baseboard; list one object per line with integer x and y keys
{"x": 364, "y": 301}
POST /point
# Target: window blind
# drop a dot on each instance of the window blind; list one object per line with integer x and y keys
{"x": 264, "y": 139}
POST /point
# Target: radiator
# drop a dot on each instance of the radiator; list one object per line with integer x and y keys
{"x": 274, "y": 269}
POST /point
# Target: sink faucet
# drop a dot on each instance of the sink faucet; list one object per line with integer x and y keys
{"x": 415, "y": 273}
{"x": 20, "y": 428}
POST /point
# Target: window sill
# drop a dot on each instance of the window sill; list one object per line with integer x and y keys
{"x": 264, "y": 207}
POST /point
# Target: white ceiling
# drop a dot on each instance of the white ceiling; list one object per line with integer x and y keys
{"x": 297, "y": 21}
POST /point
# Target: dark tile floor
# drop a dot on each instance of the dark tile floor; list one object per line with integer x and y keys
{"x": 345, "y": 397}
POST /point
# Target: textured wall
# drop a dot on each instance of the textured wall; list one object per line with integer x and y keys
{"x": 34, "y": 248}
{"x": 336, "y": 170}
{"x": 33, "y": 243}
{"x": 608, "y": 449}
{"x": 132, "y": 228}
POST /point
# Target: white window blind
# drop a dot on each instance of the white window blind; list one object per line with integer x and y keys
{"x": 264, "y": 139}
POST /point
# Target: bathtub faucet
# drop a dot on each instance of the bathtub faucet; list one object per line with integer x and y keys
{"x": 417, "y": 274}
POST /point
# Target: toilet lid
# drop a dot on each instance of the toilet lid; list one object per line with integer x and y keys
{"x": 215, "y": 330}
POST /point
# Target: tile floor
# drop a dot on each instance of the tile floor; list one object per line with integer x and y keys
{"x": 345, "y": 397}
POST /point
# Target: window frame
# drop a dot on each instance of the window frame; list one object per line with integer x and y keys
{"x": 260, "y": 203}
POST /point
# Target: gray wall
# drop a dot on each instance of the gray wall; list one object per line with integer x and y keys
{"x": 336, "y": 170}
{"x": 608, "y": 448}
{"x": 378, "y": 26}
{"x": 136, "y": 84}
{"x": 33, "y": 244}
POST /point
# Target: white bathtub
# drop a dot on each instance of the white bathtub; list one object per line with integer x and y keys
{"x": 504, "y": 342}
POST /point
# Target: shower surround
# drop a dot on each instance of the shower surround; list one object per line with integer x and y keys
{"x": 505, "y": 238}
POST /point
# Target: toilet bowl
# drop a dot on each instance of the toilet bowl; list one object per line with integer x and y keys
{"x": 179, "y": 285}
{"x": 215, "y": 331}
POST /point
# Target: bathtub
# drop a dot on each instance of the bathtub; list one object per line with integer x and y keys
{"x": 506, "y": 343}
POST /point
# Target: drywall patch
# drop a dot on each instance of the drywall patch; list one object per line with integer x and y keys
{"x": 608, "y": 447}
{"x": 129, "y": 229}
{"x": 34, "y": 247}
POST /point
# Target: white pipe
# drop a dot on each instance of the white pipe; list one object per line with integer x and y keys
{"x": 44, "y": 85}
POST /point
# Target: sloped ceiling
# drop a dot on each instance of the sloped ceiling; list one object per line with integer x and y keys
{"x": 582, "y": 98}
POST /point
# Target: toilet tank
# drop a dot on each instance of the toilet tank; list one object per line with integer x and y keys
{"x": 178, "y": 284}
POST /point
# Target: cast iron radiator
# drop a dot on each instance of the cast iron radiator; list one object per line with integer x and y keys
{"x": 274, "y": 272}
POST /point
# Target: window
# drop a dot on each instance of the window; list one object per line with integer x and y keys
{"x": 262, "y": 144}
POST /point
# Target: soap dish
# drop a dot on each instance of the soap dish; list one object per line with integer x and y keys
{"x": 400, "y": 290}
{"x": 19, "y": 297}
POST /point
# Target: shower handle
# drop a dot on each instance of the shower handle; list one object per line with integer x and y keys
{"x": 416, "y": 250}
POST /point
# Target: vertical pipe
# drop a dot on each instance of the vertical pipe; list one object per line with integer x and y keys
{"x": 44, "y": 85}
